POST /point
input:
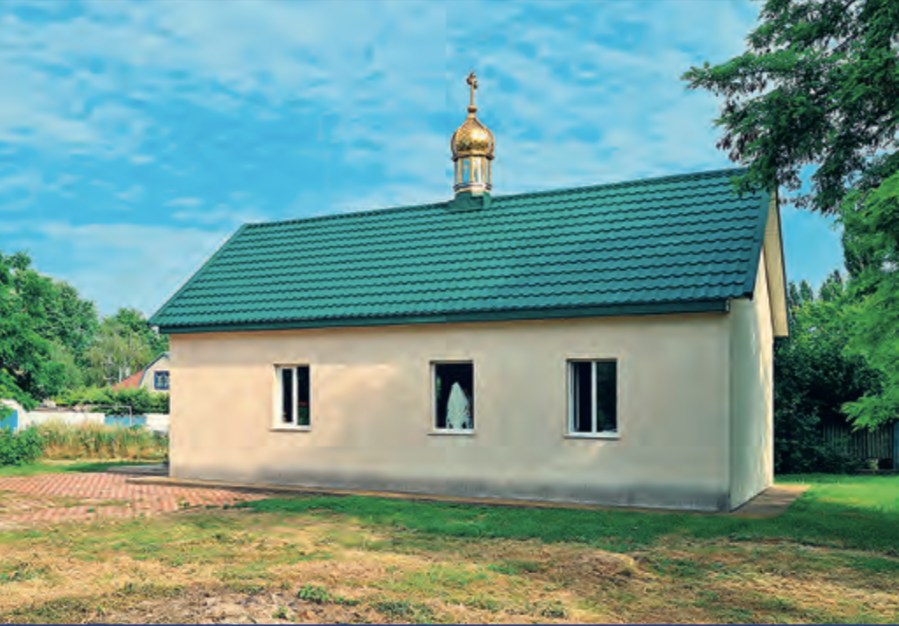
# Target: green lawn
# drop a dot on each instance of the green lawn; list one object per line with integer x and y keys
{"x": 866, "y": 492}
{"x": 51, "y": 467}
{"x": 831, "y": 558}
{"x": 859, "y": 512}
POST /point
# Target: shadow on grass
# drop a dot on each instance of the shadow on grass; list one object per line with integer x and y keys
{"x": 810, "y": 521}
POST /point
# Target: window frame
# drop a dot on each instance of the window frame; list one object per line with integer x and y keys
{"x": 432, "y": 418}
{"x": 277, "y": 407}
{"x": 156, "y": 377}
{"x": 570, "y": 431}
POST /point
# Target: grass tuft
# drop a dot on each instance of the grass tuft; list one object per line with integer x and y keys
{"x": 405, "y": 610}
{"x": 314, "y": 594}
{"x": 513, "y": 567}
{"x": 553, "y": 609}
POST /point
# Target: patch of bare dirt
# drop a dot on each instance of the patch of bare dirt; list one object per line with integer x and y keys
{"x": 198, "y": 605}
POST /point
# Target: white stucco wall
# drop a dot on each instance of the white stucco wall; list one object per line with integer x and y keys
{"x": 158, "y": 422}
{"x": 38, "y": 416}
{"x": 372, "y": 410}
{"x": 752, "y": 393}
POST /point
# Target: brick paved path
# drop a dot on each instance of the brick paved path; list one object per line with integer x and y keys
{"x": 49, "y": 498}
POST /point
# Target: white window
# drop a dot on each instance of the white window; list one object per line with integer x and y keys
{"x": 593, "y": 398}
{"x": 453, "y": 397}
{"x": 293, "y": 407}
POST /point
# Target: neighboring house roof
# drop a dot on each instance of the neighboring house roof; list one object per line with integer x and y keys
{"x": 662, "y": 245}
{"x": 137, "y": 378}
{"x": 132, "y": 382}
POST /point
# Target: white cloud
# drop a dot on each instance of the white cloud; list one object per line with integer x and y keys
{"x": 131, "y": 193}
{"x": 187, "y": 202}
{"x": 386, "y": 196}
{"x": 122, "y": 264}
{"x": 22, "y": 189}
{"x": 387, "y": 78}
{"x": 276, "y": 51}
{"x": 581, "y": 111}
{"x": 28, "y": 181}
{"x": 238, "y": 208}
{"x": 379, "y": 68}
{"x": 220, "y": 215}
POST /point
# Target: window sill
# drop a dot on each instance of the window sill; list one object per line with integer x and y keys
{"x": 291, "y": 429}
{"x": 607, "y": 436}
{"x": 453, "y": 433}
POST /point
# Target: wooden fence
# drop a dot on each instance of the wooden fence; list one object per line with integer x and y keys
{"x": 880, "y": 443}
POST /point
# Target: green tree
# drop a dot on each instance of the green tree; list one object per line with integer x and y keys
{"x": 52, "y": 340}
{"x": 806, "y": 293}
{"x": 123, "y": 345}
{"x": 134, "y": 321}
{"x": 35, "y": 361}
{"x": 833, "y": 287}
{"x": 871, "y": 240}
{"x": 818, "y": 85}
{"x": 57, "y": 312}
{"x": 815, "y": 378}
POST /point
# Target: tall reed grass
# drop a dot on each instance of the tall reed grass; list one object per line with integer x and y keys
{"x": 98, "y": 441}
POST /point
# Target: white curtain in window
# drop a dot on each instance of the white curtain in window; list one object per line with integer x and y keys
{"x": 458, "y": 409}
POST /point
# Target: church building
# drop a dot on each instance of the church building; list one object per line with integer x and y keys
{"x": 606, "y": 344}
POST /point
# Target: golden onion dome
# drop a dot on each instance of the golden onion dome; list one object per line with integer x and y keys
{"x": 472, "y": 138}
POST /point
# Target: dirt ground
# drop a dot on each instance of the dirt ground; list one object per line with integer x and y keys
{"x": 239, "y": 566}
{"x": 87, "y": 547}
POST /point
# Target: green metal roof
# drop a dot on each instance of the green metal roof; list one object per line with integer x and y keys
{"x": 672, "y": 244}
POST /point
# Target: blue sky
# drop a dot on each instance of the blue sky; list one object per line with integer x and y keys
{"x": 136, "y": 136}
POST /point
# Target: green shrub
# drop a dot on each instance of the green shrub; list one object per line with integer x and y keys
{"x": 405, "y": 610}
{"x": 314, "y": 594}
{"x": 800, "y": 448}
{"x": 99, "y": 441}
{"x": 140, "y": 400}
{"x": 20, "y": 448}
{"x": 834, "y": 458}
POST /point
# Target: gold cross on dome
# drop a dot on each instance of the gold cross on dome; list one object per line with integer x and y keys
{"x": 472, "y": 80}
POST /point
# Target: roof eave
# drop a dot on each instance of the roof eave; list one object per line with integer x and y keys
{"x": 718, "y": 305}
{"x": 758, "y": 242}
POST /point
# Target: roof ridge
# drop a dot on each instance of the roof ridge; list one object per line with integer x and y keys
{"x": 526, "y": 194}
{"x": 624, "y": 183}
